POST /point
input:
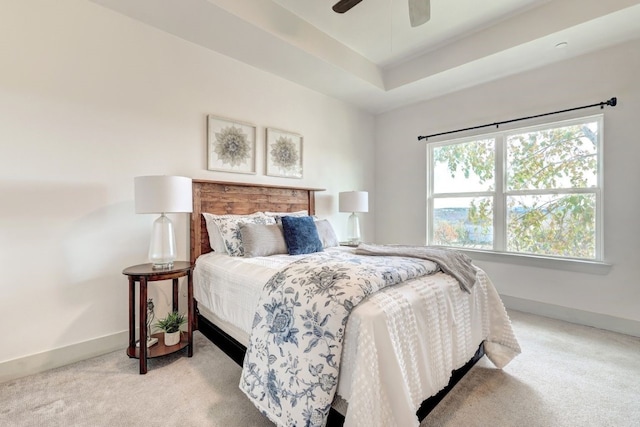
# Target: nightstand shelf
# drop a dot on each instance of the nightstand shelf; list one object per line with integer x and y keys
{"x": 143, "y": 274}
{"x": 159, "y": 349}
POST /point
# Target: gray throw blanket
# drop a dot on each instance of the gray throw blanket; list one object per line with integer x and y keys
{"x": 450, "y": 261}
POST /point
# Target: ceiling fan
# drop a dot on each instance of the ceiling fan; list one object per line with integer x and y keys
{"x": 419, "y": 10}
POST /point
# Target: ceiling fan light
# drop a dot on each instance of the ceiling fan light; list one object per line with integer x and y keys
{"x": 419, "y": 12}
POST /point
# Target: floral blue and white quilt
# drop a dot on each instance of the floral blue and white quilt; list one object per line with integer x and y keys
{"x": 291, "y": 366}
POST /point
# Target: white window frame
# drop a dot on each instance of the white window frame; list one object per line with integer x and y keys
{"x": 499, "y": 195}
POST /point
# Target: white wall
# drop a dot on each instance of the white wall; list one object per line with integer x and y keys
{"x": 89, "y": 99}
{"x": 609, "y": 297}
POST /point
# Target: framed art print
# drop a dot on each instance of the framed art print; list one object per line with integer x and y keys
{"x": 231, "y": 145}
{"x": 283, "y": 153}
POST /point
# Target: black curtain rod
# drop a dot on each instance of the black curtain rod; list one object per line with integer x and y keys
{"x": 612, "y": 102}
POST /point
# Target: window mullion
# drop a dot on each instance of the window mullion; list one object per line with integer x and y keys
{"x": 465, "y": 194}
{"x": 499, "y": 199}
{"x": 430, "y": 210}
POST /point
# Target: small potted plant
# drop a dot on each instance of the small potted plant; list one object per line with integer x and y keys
{"x": 171, "y": 327}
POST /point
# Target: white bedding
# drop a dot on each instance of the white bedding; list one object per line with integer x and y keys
{"x": 401, "y": 344}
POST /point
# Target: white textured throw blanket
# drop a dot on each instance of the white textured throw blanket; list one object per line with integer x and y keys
{"x": 450, "y": 261}
{"x": 411, "y": 338}
{"x": 291, "y": 366}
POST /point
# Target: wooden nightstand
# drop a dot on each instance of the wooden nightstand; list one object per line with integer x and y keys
{"x": 143, "y": 274}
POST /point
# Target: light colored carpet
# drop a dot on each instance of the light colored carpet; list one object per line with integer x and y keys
{"x": 567, "y": 375}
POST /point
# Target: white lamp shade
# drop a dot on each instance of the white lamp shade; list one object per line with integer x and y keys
{"x": 163, "y": 194}
{"x": 353, "y": 201}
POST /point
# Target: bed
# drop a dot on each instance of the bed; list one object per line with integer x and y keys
{"x": 378, "y": 336}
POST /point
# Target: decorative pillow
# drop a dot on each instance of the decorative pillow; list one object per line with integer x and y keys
{"x": 297, "y": 213}
{"x": 301, "y": 235}
{"x": 262, "y": 239}
{"x": 228, "y": 227}
{"x": 215, "y": 238}
{"x": 278, "y": 215}
{"x": 326, "y": 233}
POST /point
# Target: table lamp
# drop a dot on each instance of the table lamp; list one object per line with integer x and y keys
{"x": 162, "y": 194}
{"x": 353, "y": 201}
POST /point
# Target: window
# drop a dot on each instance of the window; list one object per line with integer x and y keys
{"x": 534, "y": 190}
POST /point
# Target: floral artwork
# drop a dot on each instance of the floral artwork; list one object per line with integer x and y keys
{"x": 284, "y": 154}
{"x": 231, "y": 145}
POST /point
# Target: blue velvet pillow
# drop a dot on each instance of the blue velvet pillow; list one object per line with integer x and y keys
{"x": 301, "y": 235}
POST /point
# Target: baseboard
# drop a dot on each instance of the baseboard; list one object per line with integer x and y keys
{"x": 572, "y": 315}
{"x": 62, "y": 356}
{"x": 55, "y": 358}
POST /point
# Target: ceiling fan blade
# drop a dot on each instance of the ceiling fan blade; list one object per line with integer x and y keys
{"x": 344, "y": 5}
{"x": 419, "y": 12}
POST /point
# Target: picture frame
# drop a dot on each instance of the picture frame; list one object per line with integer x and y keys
{"x": 283, "y": 153}
{"x": 231, "y": 145}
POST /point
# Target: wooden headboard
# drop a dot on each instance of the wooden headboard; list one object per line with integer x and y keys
{"x": 240, "y": 199}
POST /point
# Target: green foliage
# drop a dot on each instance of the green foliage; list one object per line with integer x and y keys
{"x": 476, "y": 156}
{"x": 553, "y": 220}
{"x": 172, "y": 322}
{"x": 560, "y": 226}
{"x": 551, "y": 159}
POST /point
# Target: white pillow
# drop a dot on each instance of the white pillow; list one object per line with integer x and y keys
{"x": 215, "y": 238}
{"x": 326, "y": 233}
{"x": 224, "y": 231}
{"x": 297, "y": 213}
{"x": 278, "y": 215}
{"x": 262, "y": 239}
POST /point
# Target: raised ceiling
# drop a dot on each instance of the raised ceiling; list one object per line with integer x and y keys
{"x": 371, "y": 57}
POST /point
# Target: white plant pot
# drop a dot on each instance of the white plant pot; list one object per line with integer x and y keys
{"x": 172, "y": 338}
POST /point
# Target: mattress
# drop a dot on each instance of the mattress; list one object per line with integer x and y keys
{"x": 400, "y": 345}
